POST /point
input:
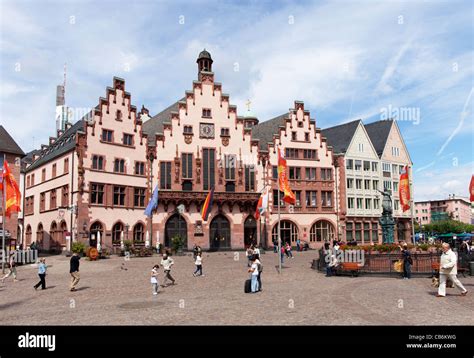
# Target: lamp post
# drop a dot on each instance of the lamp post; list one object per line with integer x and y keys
{"x": 151, "y": 158}
{"x": 127, "y": 227}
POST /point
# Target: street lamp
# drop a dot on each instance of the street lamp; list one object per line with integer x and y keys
{"x": 127, "y": 227}
{"x": 151, "y": 158}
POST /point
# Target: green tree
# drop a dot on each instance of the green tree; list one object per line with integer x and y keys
{"x": 448, "y": 226}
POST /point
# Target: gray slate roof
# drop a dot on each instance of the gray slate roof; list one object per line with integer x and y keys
{"x": 8, "y": 144}
{"x": 155, "y": 124}
{"x": 340, "y": 137}
{"x": 264, "y": 131}
{"x": 378, "y": 133}
{"x": 65, "y": 143}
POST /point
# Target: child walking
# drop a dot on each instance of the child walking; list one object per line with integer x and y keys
{"x": 154, "y": 279}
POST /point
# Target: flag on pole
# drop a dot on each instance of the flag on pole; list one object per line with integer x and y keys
{"x": 153, "y": 204}
{"x": 404, "y": 189}
{"x": 1, "y": 179}
{"x": 262, "y": 204}
{"x": 471, "y": 189}
{"x": 11, "y": 191}
{"x": 207, "y": 206}
{"x": 288, "y": 196}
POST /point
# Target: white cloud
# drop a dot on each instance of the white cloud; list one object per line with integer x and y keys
{"x": 439, "y": 183}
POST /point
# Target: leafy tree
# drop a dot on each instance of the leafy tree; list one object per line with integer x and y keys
{"x": 448, "y": 226}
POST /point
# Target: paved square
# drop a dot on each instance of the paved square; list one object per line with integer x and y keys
{"x": 115, "y": 291}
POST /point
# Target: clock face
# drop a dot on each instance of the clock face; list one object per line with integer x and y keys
{"x": 206, "y": 130}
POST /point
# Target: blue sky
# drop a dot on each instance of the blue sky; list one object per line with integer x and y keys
{"x": 345, "y": 59}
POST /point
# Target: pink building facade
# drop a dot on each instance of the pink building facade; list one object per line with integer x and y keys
{"x": 455, "y": 208}
{"x": 90, "y": 179}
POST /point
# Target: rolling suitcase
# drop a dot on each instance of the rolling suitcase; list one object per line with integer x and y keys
{"x": 248, "y": 286}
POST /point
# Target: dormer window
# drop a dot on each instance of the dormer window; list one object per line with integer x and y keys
{"x": 118, "y": 115}
{"x": 206, "y": 113}
{"x": 293, "y": 136}
{"x": 306, "y": 137}
{"x": 300, "y": 124}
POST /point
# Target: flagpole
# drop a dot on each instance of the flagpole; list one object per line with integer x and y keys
{"x": 4, "y": 206}
{"x": 279, "y": 231}
{"x": 412, "y": 205}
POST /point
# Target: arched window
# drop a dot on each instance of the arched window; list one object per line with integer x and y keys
{"x": 322, "y": 230}
{"x": 53, "y": 230}
{"x": 138, "y": 233}
{"x": 288, "y": 231}
{"x": 62, "y": 233}
{"x": 28, "y": 235}
{"x": 40, "y": 235}
{"x": 117, "y": 230}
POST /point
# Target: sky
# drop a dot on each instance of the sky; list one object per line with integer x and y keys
{"x": 346, "y": 60}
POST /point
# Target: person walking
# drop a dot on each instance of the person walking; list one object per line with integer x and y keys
{"x": 275, "y": 246}
{"x": 42, "y": 274}
{"x": 198, "y": 264}
{"x": 407, "y": 261}
{"x": 74, "y": 270}
{"x": 167, "y": 262}
{"x": 11, "y": 268}
{"x": 254, "y": 275}
{"x": 282, "y": 253}
{"x": 448, "y": 269}
{"x": 154, "y": 279}
{"x": 298, "y": 244}
{"x": 288, "y": 250}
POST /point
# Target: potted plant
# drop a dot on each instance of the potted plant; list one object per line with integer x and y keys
{"x": 177, "y": 243}
{"x": 78, "y": 247}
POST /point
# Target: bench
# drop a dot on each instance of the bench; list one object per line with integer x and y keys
{"x": 352, "y": 267}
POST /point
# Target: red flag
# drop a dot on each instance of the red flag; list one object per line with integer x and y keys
{"x": 289, "y": 197}
{"x": 262, "y": 203}
{"x": 471, "y": 189}
{"x": 11, "y": 192}
{"x": 404, "y": 189}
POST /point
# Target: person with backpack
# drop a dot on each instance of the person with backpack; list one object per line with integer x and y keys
{"x": 407, "y": 261}
{"x": 154, "y": 279}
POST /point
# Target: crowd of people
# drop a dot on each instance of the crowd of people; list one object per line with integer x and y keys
{"x": 447, "y": 271}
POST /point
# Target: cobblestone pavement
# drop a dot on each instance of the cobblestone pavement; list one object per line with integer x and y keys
{"x": 115, "y": 291}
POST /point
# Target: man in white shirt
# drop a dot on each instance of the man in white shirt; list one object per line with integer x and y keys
{"x": 167, "y": 262}
{"x": 254, "y": 275}
{"x": 448, "y": 268}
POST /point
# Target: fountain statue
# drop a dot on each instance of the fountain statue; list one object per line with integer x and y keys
{"x": 386, "y": 221}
